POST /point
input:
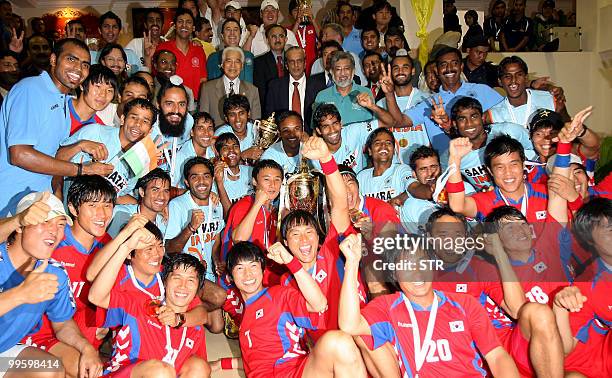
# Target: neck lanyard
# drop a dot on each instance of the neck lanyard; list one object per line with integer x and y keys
{"x": 171, "y": 159}
{"x": 420, "y": 351}
{"x": 302, "y": 35}
{"x": 265, "y": 236}
{"x": 171, "y": 353}
{"x": 524, "y": 200}
{"x": 137, "y": 285}
{"x": 289, "y": 158}
{"x": 527, "y": 111}
{"x": 409, "y": 101}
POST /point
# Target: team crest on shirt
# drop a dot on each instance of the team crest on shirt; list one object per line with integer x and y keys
{"x": 456, "y": 326}
{"x": 259, "y": 313}
{"x": 540, "y": 267}
{"x": 540, "y": 215}
{"x": 461, "y": 288}
{"x": 320, "y": 276}
{"x": 195, "y": 62}
{"x": 189, "y": 343}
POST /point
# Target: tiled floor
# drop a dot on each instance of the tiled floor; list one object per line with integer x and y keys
{"x": 218, "y": 346}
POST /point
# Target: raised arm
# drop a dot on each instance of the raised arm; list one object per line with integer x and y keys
{"x": 177, "y": 244}
{"x": 457, "y": 199}
{"x": 244, "y": 229}
{"x": 399, "y": 119}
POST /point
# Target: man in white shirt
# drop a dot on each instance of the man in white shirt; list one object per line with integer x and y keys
{"x": 154, "y": 20}
{"x": 269, "y": 15}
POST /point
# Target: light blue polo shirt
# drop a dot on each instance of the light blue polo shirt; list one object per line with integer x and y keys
{"x": 122, "y": 215}
{"x": 351, "y": 148}
{"x": 277, "y": 153}
{"x": 249, "y": 139}
{"x": 213, "y": 66}
{"x": 239, "y": 188}
{"x": 349, "y": 109}
{"x": 33, "y": 113}
{"x": 420, "y": 114}
{"x": 393, "y": 182}
{"x": 186, "y": 152}
{"x": 504, "y": 112}
{"x": 180, "y": 209}
{"x": 352, "y": 42}
{"x": 171, "y": 142}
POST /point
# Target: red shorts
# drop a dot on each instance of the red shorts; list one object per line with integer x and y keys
{"x": 592, "y": 358}
{"x": 517, "y": 346}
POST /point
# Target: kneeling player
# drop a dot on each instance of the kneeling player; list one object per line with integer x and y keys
{"x": 455, "y": 328}
{"x": 274, "y": 320}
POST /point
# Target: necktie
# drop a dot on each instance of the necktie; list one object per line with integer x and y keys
{"x": 296, "y": 105}
{"x": 374, "y": 89}
{"x": 231, "y": 91}
{"x": 330, "y": 81}
{"x": 279, "y": 66}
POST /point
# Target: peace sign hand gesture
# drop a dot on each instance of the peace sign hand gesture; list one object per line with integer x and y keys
{"x": 386, "y": 82}
{"x": 438, "y": 114}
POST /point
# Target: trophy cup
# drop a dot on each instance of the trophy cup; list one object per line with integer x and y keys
{"x": 266, "y": 132}
{"x": 303, "y": 189}
{"x": 303, "y": 5}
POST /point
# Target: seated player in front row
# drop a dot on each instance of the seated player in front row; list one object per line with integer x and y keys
{"x": 272, "y": 328}
{"x": 434, "y": 333}
{"x": 153, "y": 337}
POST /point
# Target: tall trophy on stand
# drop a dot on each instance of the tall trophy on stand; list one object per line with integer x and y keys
{"x": 266, "y": 132}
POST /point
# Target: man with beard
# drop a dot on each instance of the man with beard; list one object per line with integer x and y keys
{"x": 154, "y": 21}
{"x": 269, "y": 15}
{"x": 109, "y": 26}
{"x": 38, "y": 114}
{"x": 406, "y": 96}
{"x": 153, "y": 197}
{"x": 173, "y": 125}
{"x": 164, "y": 67}
{"x": 107, "y": 144}
{"x": 190, "y": 57}
{"x": 371, "y": 62}
{"x": 270, "y": 65}
{"x": 201, "y": 144}
{"x": 9, "y": 72}
{"x": 38, "y": 53}
{"x": 449, "y": 67}
{"x": 98, "y": 90}
{"x": 352, "y": 35}
{"x": 286, "y": 151}
{"x": 195, "y": 222}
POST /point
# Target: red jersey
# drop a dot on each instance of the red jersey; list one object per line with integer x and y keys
{"x": 328, "y": 272}
{"x": 272, "y": 332}
{"x": 263, "y": 235}
{"x": 191, "y": 67}
{"x": 603, "y": 189}
{"x": 75, "y": 259}
{"x": 461, "y": 331}
{"x": 76, "y": 123}
{"x": 307, "y": 39}
{"x": 537, "y": 202}
{"x": 141, "y": 337}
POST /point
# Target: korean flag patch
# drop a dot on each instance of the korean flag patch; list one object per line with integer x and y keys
{"x": 189, "y": 343}
{"x": 259, "y": 313}
{"x": 320, "y": 276}
{"x": 456, "y": 326}
{"x": 540, "y": 267}
{"x": 540, "y": 215}
{"x": 461, "y": 288}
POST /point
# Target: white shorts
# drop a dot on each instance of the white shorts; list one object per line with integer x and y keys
{"x": 11, "y": 353}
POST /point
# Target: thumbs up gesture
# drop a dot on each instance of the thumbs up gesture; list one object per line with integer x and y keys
{"x": 38, "y": 285}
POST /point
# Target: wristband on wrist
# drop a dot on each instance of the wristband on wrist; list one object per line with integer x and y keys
{"x": 455, "y": 187}
{"x": 329, "y": 167}
{"x": 294, "y": 265}
{"x": 564, "y": 148}
{"x": 226, "y": 363}
{"x": 575, "y": 204}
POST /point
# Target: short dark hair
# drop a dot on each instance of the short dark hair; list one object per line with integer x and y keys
{"x": 90, "y": 188}
{"x": 107, "y": 50}
{"x": 183, "y": 11}
{"x": 156, "y": 174}
{"x": 330, "y": 43}
{"x": 343, "y": 3}
{"x": 244, "y": 251}
{"x": 447, "y": 50}
{"x": 433, "y": 217}
{"x": 371, "y": 53}
{"x": 346, "y": 170}
{"x": 282, "y": 116}
{"x": 463, "y": 103}
{"x": 266, "y": 163}
{"x": 420, "y": 153}
{"x": 12, "y": 54}
{"x": 76, "y": 21}
{"x": 152, "y": 228}
{"x": 588, "y": 217}
{"x": 174, "y": 261}
{"x": 404, "y": 57}
{"x": 375, "y": 133}
{"x": 223, "y": 138}
{"x": 270, "y": 27}
{"x": 181, "y": 4}
{"x": 500, "y": 145}
{"x": 203, "y": 115}
{"x": 229, "y": 21}
{"x": 200, "y": 22}
{"x": 166, "y": 86}
{"x": 511, "y": 60}
{"x": 59, "y": 46}
{"x": 135, "y": 80}
{"x": 370, "y": 28}
{"x": 300, "y": 218}
{"x": 109, "y": 15}
{"x": 154, "y": 10}
{"x": 236, "y": 101}
{"x": 98, "y": 74}
{"x": 197, "y": 160}
{"x": 493, "y": 220}
{"x": 396, "y": 32}
{"x": 143, "y": 103}
{"x": 323, "y": 111}
{"x": 377, "y": 7}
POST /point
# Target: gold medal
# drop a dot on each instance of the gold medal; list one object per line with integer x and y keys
{"x": 403, "y": 142}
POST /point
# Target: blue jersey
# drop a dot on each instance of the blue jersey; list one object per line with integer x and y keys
{"x": 201, "y": 243}
{"x": 351, "y": 148}
{"x": 473, "y": 167}
{"x": 122, "y": 178}
{"x": 33, "y": 113}
{"x": 420, "y": 114}
{"x": 133, "y": 64}
{"x": 393, "y": 182}
{"x": 186, "y": 152}
{"x": 167, "y": 162}
{"x": 504, "y": 112}
{"x": 277, "y": 153}
{"x": 239, "y": 188}
{"x": 122, "y": 215}
{"x": 249, "y": 139}
{"x": 26, "y": 319}
{"x": 414, "y": 214}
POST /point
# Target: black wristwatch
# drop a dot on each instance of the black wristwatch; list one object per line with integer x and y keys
{"x": 584, "y": 130}
{"x": 181, "y": 320}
